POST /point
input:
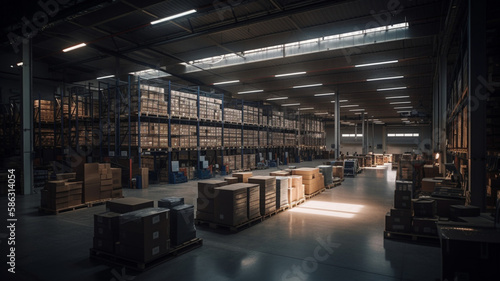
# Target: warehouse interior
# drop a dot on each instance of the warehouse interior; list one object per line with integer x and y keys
{"x": 244, "y": 139}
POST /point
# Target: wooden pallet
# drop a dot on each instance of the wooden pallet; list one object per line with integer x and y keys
{"x": 230, "y": 228}
{"x": 411, "y": 237}
{"x": 277, "y": 211}
{"x": 334, "y": 184}
{"x": 314, "y": 193}
{"x": 114, "y": 259}
{"x": 296, "y": 203}
{"x": 75, "y": 207}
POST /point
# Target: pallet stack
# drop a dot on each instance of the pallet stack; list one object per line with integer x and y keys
{"x": 106, "y": 234}
{"x": 400, "y": 217}
{"x": 253, "y": 194}
{"x": 311, "y": 178}
{"x": 267, "y": 193}
{"x": 231, "y": 180}
{"x": 231, "y": 204}
{"x": 182, "y": 224}
{"x": 424, "y": 217}
{"x": 243, "y": 176}
{"x": 91, "y": 182}
{"x": 282, "y": 191}
{"x": 75, "y": 193}
{"x": 106, "y": 176}
{"x": 327, "y": 172}
{"x": 205, "y": 203}
{"x": 117, "y": 191}
{"x": 297, "y": 189}
{"x": 338, "y": 171}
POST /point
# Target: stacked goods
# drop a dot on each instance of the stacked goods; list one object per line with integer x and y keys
{"x": 249, "y": 159}
{"x": 75, "y": 192}
{"x": 282, "y": 191}
{"x": 279, "y": 174}
{"x": 170, "y": 202}
{"x": 424, "y": 216}
{"x": 117, "y": 183}
{"x": 243, "y": 176}
{"x": 106, "y": 234}
{"x": 106, "y": 176}
{"x": 431, "y": 171}
{"x": 144, "y": 234}
{"x": 253, "y": 194}
{"x": 338, "y": 171}
{"x": 144, "y": 177}
{"x": 66, "y": 176}
{"x": 205, "y": 203}
{"x": 129, "y": 204}
{"x": 231, "y": 204}
{"x": 492, "y": 190}
{"x": 44, "y": 110}
{"x": 91, "y": 182}
{"x": 267, "y": 193}
{"x": 327, "y": 172}
{"x": 298, "y": 191}
{"x": 311, "y": 178}
{"x": 400, "y": 217}
{"x": 182, "y": 223}
{"x": 55, "y": 196}
{"x": 457, "y": 211}
{"x": 231, "y": 180}
{"x": 429, "y": 184}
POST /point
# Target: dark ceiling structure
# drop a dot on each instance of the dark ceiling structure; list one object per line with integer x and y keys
{"x": 326, "y": 45}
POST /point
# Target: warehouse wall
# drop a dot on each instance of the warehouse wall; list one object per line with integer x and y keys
{"x": 402, "y": 145}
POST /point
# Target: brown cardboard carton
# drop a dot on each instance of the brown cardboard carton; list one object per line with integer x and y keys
{"x": 66, "y": 176}
{"x": 243, "y": 176}
{"x": 428, "y": 184}
{"x": 106, "y": 194}
{"x": 91, "y": 192}
{"x": 117, "y": 177}
{"x": 206, "y": 188}
{"x": 231, "y": 205}
{"x": 117, "y": 193}
{"x": 296, "y": 181}
{"x": 107, "y": 182}
{"x": 306, "y": 173}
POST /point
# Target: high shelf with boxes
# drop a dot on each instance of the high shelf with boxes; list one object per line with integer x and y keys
{"x": 10, "y": 128}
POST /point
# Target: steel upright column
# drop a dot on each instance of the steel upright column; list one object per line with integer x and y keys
{"x": 337, "y": 126}
{"x": 198, "y": 148}
{"x": 242, "y": 130}
{"x": 139, "y": 148}
{"x": 169, "y": 108}
{"x": 222, "y": 167}
{"x": 478, "y": 96}
{"x": 27, "y": 118}
{"x": 363, "y": 136}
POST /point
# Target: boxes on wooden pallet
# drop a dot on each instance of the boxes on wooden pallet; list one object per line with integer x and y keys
{"x": 443, "y": 205}
{"x": 292, "y": 194}
{"x": 267, "y": 193}
{"x": 338, "y": 171}
{"x": 144, "y": 234}
{"x": 129, "y": 204}
{"x": 457, "y": 211}
{"x": 253, "y": 206}
{"x": 117, "y": 178}
{"x": 311, "y": 179}
{"x": 425, "y": 226}
{"x": 423, "y": 207}
{"x": 231, "y": 180}
{"x": 398, "y": 224}
{"x": 404, "y": 185}
{"x": 66, "y": 176}
{"x": 327, "y": 172}
{"x": 56, "y": 195}
{"x": 431, "y": 171}
{"x": 282, "y": 191}
{"x": 75, "y": 193}
{"x": 279, "y": 174}
{"x": 182, "y": 223}
{"x": 243, "y": 176}
{"x": 231, "y": 205}
{"x": 106, "y": 231}
{"x": 117, "y": 193}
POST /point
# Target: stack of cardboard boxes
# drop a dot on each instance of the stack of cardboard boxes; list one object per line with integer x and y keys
{"x": 327, "y": 172}
{"x": 282, "y": 191}
{"x": 231, "y": 180}
{"x": 253, "y": 194}
{"x": 75, "y": 193}
{"x": 424, "y": 217}
{"x": 400, "y": 217}
{"x": 296, "y": 191}
{"x": 91, "y": 182}
{"x": 181, "y": 219}
{"x": 267, "y": 193}
{"x": 338, "y": 171}
{"x": 311, "y": 178}
{"x": 117, "y": 183}
{"x": 106, "y": 179}
{"x": 205, "y": 203}
{"x": 243, "y": 176}
{"x": 60, "y": 194}
{"x": 231, "y": 204}
{"x": 106, "y": 234}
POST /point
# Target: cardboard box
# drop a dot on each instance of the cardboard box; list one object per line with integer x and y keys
{"x": 104, "y": 245}
{"x": 292, "y": 194}
{"x": 129, "y": 204}
{"x": 182, "y": 224}
{"x": 428, "y": 184}
{"x": 142, "y": 252}
{"x": 280, "y": 174}
{"x": 107, "y": 182}
{"x": 204, "y": 216}
{"x": 66, "y": 176}
{"x": 401, "y": 212}
{"x": 457, "y": 211}
{"x": 231, "y": 205}
{"x": 443, "y": 205}
{"x": 253, "y": 206}
{"x": 424, "y": 208}
{"x": 338, "y": 171}
{"x": 170, "y": 202}
{"x": 402, "y": 199}
{"x": 57, "y": 186}
{"x": 306, "y": 173}
{"x": 425, "y": 226}
{"x": 106, "y": 226}
{"x": 267, "y": 193}
{"x": 206, "y": 188}
{"x": 398, "y": 224}
{"x": 243, "y": 176}
{"x": 117, "y": 193}
{"x": 91, "y": 182}
{"x": 231, "y": 180}
{"x": 116, "y": 177}
{"x": 106, "y": 194}
{"x": 281, "y": 191}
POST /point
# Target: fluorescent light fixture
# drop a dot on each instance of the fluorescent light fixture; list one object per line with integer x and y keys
{"x": 385, "y": 78}
{"x": 20, "y": 63}
{"x": 392, "y": 89}
{"x": 174, "y": 16}
{"x": 321, "y": 113}
{"x": 351, "y": 105}
{"x": 404, "y": 107}
{"x": 307, "y": 86}
{"x": 325, "y": 94}
{"x": 290, "y": 104}
{"x": 226, "y": 82}
{"x": 359, "y": 113}
{"x": 250, "y": 92}
{"x": 400, "y": 102}
{"x": 404, "y": 119}
{"x": 339, "y": 101}
{"x": 74, "y": 47}
{"x": 306, "y": 108}
{"x": 280, "y": 98}
{"x": 402, "y": 111}
{"x": 397, "y": 97}
{"x": 376, "y": 63}
{"x": 290, "y": 74}
{"x": 359, "y": 109}
{"x": 104, "y": 77}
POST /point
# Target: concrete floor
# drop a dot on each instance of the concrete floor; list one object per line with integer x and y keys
{"x": 337, "y": 235}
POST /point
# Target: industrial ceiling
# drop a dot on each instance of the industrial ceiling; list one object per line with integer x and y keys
{"x": 377, "y": 56}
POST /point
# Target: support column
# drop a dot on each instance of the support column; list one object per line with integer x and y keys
{"x": 443, "y": 75}
{"x": 27, "y": 118}
{"x": 363, "y": 148}
{"x": 384, "y": 138}
{"x": 478, "y": 96}
{"x": 337, "y": 126}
